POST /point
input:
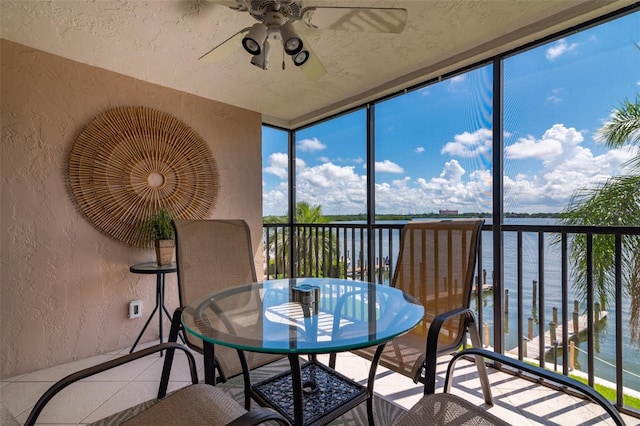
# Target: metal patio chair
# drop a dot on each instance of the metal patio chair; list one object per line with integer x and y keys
{"x": 213, "y": 255}
{"x": 436, "y": 265}
{"x": 449, "y": 409}
{"x": 195, "y": 404}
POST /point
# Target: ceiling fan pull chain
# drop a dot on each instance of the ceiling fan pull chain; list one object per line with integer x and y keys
{"x": 282, "y": 59}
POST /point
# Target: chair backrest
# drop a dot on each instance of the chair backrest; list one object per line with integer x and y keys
{"x": 213, "y": 255}
{"x": 436, "y": 265}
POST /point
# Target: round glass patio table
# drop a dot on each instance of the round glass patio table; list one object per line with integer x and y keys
{"x": 304, "y": 316}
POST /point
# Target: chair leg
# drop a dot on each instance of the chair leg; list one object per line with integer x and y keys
{"x": 431, "y": 364}
{"x": 480, "y": 365}
{"x": 332, "y": 360}
{"x": 246, "y": 376}
{"x": 176, "y": 326}
{"x": 210, "y": 365}
{"x": 371, "y": 382}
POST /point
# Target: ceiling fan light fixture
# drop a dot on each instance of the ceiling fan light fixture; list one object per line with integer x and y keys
{"x": 255, "y": 39}
{"x": 290, "y": 39}
{"x": 300, "y": 58}
{"x": 262, "y": 60}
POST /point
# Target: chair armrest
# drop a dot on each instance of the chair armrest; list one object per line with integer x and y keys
{"x": 88, "y": 372}
{"x": 431, "y": 351}
{"x": 259, "y": 415}
{"x": 439, "y": 320}
{"x": 533, "y": 370}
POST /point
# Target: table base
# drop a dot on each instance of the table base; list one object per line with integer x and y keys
{"x": 327, "y": 394}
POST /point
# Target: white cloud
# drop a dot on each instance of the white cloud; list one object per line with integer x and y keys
{"x": 419, "y": 150}
{"x": 275, "y": 201}
{"x": 278, "y": 164}
{"x": 529, "y": 147}
{"x": 308, "y": 145}
{"x": 470, "y": 144}
{"x": 559, "y": 48}
{"x": 387, "y": 166}
{"x": 452, "y": 171}
{"x": 556, "y": 141}
{"x": 565, "y": 166}
{"x": 327, "y": 175}
{"x": 401, "y": 183}
{"x": 338, "y": 189}
{"x": 458, "y": 79}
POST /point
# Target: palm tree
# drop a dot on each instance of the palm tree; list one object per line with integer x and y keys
{"x": 313, "y": 245}
{"x": 616, "y": 202}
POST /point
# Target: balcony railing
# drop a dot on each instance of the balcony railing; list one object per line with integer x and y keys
{"x": 580, "y": 337}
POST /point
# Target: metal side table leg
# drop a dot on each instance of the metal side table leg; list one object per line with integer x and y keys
{"x": 160, "y": 272}
{"x": 160, "y": 302}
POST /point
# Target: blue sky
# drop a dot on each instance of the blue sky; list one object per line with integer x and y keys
{"x": 433, "y": 145}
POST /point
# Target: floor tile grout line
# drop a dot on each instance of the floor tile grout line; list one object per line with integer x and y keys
{"x": 105, "y": 401}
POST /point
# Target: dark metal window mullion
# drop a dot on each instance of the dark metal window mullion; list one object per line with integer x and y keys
{"x": 619, "y": 354}
{"x": 565, "y": 304}
{"x": 371, "y": 193}
{"x": 520, "y": 284}
{"x": 541, "y": 324}
{"x": 590, "y": 322}
{"x": 498, "y": 166}
{"x": 380, "y": 262}
{"x": 479, "y": 300}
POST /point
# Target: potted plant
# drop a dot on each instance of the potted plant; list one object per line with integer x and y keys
{"x": 160, "y": 229}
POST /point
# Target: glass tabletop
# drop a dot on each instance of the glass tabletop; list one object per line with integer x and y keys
{"x": 303, "y": 315}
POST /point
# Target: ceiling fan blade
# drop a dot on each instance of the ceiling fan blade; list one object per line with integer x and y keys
{"x": 199, "y": 8}
{"x": 225, "y": 48}
{"x": 313, "y": 68}
{"x": 365, "y": 19}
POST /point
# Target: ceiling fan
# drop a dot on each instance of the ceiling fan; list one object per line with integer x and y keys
{"x": 276, "y": 21}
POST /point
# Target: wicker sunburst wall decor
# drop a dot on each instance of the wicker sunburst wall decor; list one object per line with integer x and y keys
{"x": 130, "y": 162}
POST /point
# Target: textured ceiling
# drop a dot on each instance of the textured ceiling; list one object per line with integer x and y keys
{"x": 161, "y": 41}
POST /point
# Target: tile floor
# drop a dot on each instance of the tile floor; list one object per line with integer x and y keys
{"x": 517, "y": 401}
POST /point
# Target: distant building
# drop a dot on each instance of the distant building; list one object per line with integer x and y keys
{"x": 448, "y": 212}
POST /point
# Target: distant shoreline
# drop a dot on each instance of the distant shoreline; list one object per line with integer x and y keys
{"x": 363, "y": 217}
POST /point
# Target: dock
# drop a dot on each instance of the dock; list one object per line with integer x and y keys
{"x": 486, "y": 286}
{"x": 532, "y": 345}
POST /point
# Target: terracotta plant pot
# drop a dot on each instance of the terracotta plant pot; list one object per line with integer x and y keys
{"x": 164, "y": 251}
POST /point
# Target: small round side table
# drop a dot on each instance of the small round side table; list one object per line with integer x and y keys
{"x": 160, "y": 272}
